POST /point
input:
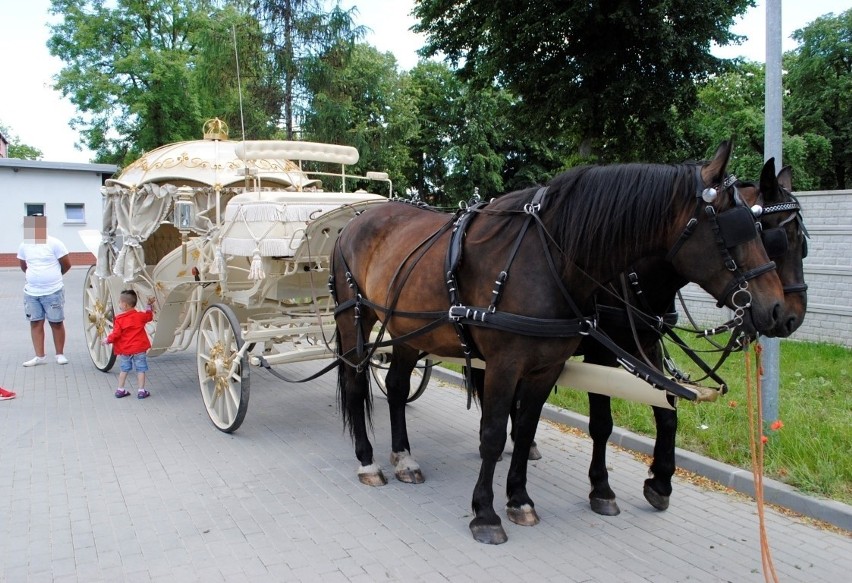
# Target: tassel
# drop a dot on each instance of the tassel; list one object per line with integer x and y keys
{"x": 218, "y": 262}
{"x": 256, "y": 271}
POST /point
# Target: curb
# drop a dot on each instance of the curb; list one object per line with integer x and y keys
{"x": 737, "y": 479}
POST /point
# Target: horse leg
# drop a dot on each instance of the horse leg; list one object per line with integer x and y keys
{"x": 534, "y": 454}
{"x": 519, "y": 506}
{"x": 353, "y": 392}
{"x": 477, "y": 376}
{"x": 498, "y": 393}
{"x": 658, "y": 487}
{"x": 601, "y": 498}
{"x": 398, "y": 381}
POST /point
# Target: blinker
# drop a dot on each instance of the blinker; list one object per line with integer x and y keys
{"x": 775, "y": 242}
{"x": 737, "y": 226}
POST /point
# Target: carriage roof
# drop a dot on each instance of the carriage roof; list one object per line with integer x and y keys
{"x": 209, "y": 162}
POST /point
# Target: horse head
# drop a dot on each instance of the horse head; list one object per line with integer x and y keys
{"x": 721, "y": 250}
{"x": 784, "y": 238}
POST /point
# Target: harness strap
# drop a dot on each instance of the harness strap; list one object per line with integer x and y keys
{"x": 518, "y": 324}
{"x": 705, "y": 368}
{"x": 287, "y": 379}
{"x": 686, "y": 234}
{"x": 639, "y": 369}
{"x": 741, "y": 278}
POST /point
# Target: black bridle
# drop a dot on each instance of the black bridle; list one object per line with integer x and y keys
{"x": 731, "y": 228}
{"x": 775, "y": 240}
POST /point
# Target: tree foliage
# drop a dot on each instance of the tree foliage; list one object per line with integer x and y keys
{"x": 358, "y": 98}
{"x": 127, "y": 70}
{"x": 295, "y": 32}
{"x": 612, "y": 76}
{"x": 144, "y": 74}
{"x": 731, "y": 105}
{"x": 819, "y": 80}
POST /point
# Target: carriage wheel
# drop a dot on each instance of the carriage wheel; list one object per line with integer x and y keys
{"x": 419, "y": 377}
{"x": 224, "y": 379}
{"x": 98, "y": 316}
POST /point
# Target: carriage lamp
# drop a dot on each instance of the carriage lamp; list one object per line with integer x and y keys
{"x": 184, "y": 213}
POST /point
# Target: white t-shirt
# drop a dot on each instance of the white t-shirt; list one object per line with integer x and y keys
{"x": 44, "y": 274}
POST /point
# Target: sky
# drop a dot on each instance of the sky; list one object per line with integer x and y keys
{"x": 39, "y": 116}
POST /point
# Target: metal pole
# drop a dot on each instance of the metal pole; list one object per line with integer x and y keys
{"x": 772, "y": 149}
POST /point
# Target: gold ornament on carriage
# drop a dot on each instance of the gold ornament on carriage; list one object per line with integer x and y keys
{"x": 215, "y": 129}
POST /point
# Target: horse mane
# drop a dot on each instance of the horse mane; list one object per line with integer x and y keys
{"x": 605, "y": 215}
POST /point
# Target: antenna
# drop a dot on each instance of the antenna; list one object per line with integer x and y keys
{"x": 240, "y": 94}
{"x": 239, "y": 84}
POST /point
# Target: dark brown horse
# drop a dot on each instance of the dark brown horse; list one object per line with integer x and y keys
{"x": 651, "y": 292}
{"x": 554, "y": 244}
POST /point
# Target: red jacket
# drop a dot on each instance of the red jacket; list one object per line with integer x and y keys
{"x": 128, "y": 332}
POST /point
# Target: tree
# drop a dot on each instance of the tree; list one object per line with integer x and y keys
{"x": 296, "y": 31}
{"x": 436, "y": 90}
{"x": 128, "y": 72}
{"x": 819, "y": 80}
{"x": 357, "y": 97}
{"x": 731, "y": 105}
{"x": 17, "y": 149}
{"x": 610, "y": 76}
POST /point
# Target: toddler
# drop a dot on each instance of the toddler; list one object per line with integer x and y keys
{"x": 130, "y": 342}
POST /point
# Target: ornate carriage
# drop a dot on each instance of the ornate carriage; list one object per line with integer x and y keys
{"x": 233, "y": 240}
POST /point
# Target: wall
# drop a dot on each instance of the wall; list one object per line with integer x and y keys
{"x": 828, "y": 272}
{"x": 54, "y": 184}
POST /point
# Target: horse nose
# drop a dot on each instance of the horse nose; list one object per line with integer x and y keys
{"x": 791, "y": 324}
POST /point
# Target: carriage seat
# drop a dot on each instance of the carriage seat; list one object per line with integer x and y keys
{"x": 161, "y": 242}
{"x": 273, "y": 223}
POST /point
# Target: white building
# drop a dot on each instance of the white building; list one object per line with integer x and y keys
{"x": 68, "y": 194}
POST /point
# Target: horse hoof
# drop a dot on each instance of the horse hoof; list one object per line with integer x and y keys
{"x": 410, "y": 476}
{"x": 534, "y": 453}
{"x": 655, "y": 499}
{"x": 371, "y": 475}
{"x": 488, "y": 534}
{"x": 604, "y": 507}
{"x": 524, "y": 515}
{"x": 406, "y": 468}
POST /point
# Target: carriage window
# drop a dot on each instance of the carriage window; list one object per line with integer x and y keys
{"x": 75, "y": 213}
{"x": 34, "y": 209}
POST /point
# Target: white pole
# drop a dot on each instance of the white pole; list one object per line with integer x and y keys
{"x": 772, "y": 149}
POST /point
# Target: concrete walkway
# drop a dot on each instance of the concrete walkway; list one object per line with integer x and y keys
{"x": 103, "y": 489}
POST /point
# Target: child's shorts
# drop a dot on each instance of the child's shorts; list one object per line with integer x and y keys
{"x": 128, "y": 362}
{"x": 51, "y": 307}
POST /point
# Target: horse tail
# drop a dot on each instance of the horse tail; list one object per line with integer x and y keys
{"x": 354, "y": 394}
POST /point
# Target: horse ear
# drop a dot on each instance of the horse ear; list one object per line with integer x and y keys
{"x": 714, "y": 171}
{"x": 768, "y": 181}
{"x": 785, "y": 178}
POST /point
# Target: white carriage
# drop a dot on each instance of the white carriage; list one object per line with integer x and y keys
{"x": 233, "y": 240}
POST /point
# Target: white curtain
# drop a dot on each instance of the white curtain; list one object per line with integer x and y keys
{"x": 134, "y": 215}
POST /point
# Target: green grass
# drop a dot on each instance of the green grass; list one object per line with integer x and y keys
{"x": 810, "y": 452}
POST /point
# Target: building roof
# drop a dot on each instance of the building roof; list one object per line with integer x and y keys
{"x": 16, "y": 163}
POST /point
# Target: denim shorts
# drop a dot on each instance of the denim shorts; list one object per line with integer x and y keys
{"x": 128, "y": 362}
{"x": 52, "y": 306}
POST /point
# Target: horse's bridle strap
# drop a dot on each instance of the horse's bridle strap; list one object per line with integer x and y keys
{"x": 741, "y": 278}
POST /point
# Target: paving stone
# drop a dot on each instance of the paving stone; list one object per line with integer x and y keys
{"x": 100, "y": 489}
